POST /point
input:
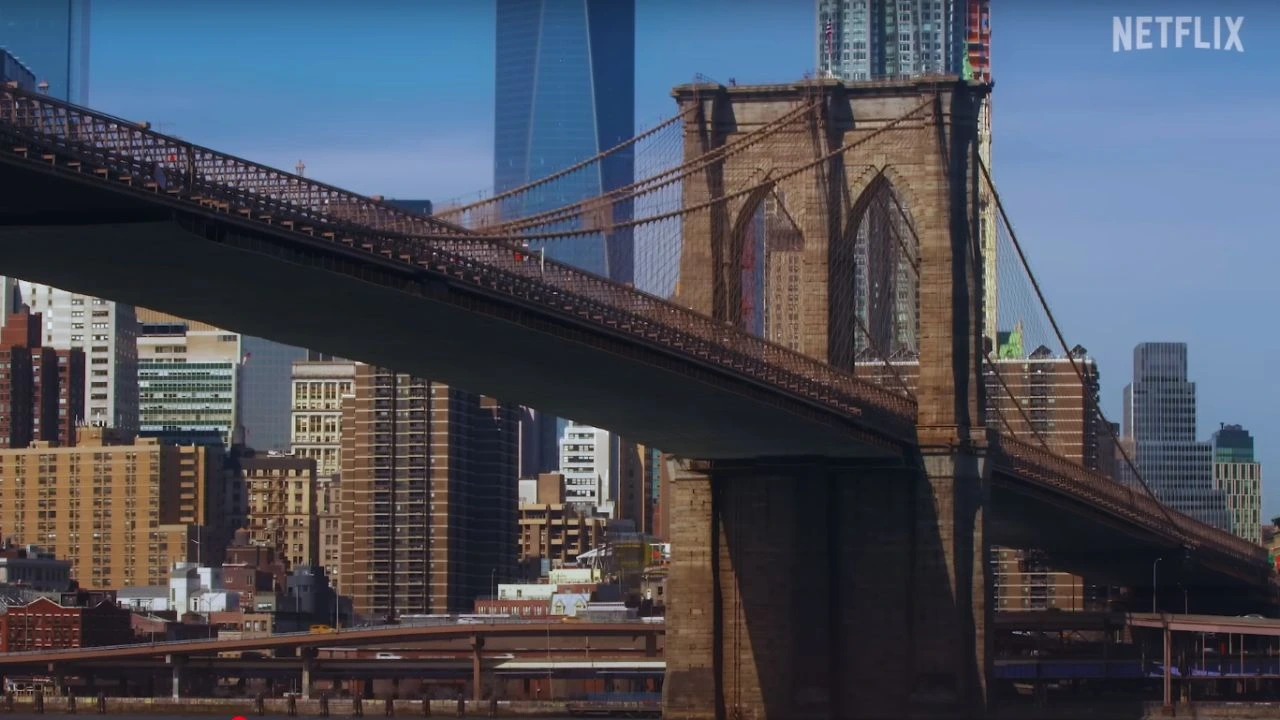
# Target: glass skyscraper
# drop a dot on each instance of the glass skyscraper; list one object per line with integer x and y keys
{"x": 565, "y": 91}
{"x": 1160, "y": 420}
{"x": 52, "y": 38}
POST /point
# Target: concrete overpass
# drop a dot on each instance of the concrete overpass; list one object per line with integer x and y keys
{"x": 352, "y": 637}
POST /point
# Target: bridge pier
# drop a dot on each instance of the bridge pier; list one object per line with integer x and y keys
{"x": 175, "y": 667}
{"x": 308, "y": 667}
{"x": 822, "y": 591}
{"x": 477, "y": 687}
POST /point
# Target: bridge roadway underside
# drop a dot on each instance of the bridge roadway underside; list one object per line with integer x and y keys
{"x": 243, "y": 276}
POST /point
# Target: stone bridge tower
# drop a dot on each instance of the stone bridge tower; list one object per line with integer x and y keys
{"x": 836, "y": 588}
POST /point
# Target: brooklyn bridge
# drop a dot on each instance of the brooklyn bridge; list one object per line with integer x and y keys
{"x": 807, "y": 295}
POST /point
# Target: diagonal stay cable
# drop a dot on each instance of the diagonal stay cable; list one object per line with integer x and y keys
{"x": 661, "y": 179}
{"x": 1035, "y": 285}
{"x": 779, "y": 178}
{"x": 459, "y": 210}
{"x": 915, "y": 265}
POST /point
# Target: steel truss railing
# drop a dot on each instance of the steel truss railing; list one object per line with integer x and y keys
{"x": 112, "y": 141}
{"x": 73, "y": 139}
{"x": 1035, "y": 463}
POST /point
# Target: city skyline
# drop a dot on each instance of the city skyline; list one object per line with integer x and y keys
{"x": 1046, "y": 184}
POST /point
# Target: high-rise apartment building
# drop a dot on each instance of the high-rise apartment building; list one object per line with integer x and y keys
{"x": 428, "y": 495}
{"x": 41, "y": 389}
{"x": 318, "y": 388}
{"x": 282, "y": 506}
{"x": 266, "y": 404}
{"x": 1238, "y": 474}
{"x": 565, "y": 91}
{"x": 188, "y": 380}
{"x": 106, "y": 332}
{"x": 121, "y": 513}
{"x": 1050, "y": 404}
{"x": 1160, "y": 418}
{"x": 870, "y": 39}
{"x": 51, "y": 37}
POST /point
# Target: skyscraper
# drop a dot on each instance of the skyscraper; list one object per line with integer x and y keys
{"x": 266, "y": 397}
{"x": 870, "y": 39}
{"x": 52, "y": 38}
{"x": 1239, "y": 475}
{"x": 565, "y": 91}
{"x": 1160, "y": 419}
{"x": 429, "y": 494}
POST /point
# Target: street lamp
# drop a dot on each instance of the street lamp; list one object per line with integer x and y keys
{"x": 493, "y": 577}
{"x": 1154, "y": 586}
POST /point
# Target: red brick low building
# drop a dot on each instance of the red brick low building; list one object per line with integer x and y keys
{"x": 516, "y": 608}
{"x": 44, "y": 624}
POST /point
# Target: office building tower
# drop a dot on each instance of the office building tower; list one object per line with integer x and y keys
{"x": 590, "y": 461}
{"x": 565, "y": 91}
{"x": 41, "y": 389}
{"x": 282, "y": 506}
{"x": 106, "y": 332}
{"x": 539, "y": 443}
{"x": 122, "y": 512}
{"x": 1238, "y": 474}
{"x": 51, "y": 37}
{"x": 266, "y": 403}
{"x": 428, "y": 495}
{"x": 188, "y": 380}
{"x": 1160, "y": 418}
{"x": 318, "y": 388}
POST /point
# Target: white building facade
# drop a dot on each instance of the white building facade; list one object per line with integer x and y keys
{"x": 589, "y": 463}
{"x": 316, "y": 414}
{"x": 107, "y": 332}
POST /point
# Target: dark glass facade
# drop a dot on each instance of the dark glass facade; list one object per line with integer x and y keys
{"x": 421, "y": 207}
{"x": 13, "y": 70}
{"x": 565, "y": 91}
{"x": 52, "y": 38}
{"x": 266, "y": 404}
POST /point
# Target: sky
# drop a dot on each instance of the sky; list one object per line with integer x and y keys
{"x": 1143, "y": 184}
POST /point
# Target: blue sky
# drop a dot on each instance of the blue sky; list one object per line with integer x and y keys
{"x": 1144, "y": 185}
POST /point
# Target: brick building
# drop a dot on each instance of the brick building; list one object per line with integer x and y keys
{"x": 41, "y": 389}
{"x": 282, "y": 505}
{"x": 447, "y": 484}
{"x": 554, "y": 531}
{"x": 77, "y": 620}
{"x": 122, "y": 512}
